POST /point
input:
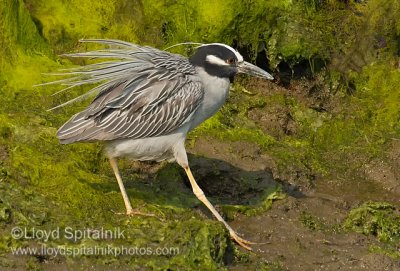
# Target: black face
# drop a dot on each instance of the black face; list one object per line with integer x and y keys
{"x": 217, "y": 60}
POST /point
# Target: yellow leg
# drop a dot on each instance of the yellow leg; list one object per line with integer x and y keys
{"x": 200, "y": 195}
{"x": 129, "y": 209}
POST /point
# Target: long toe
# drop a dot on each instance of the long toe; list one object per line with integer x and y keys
{"x": 242, "y": 242}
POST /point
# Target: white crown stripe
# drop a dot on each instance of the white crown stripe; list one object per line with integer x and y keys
{"x": 237, "y": 54}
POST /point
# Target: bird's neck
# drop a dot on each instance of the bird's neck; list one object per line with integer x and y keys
{"x": 216, "y": 91}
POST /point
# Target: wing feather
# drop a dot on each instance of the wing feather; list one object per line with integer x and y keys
{"x": 145, "y": 93}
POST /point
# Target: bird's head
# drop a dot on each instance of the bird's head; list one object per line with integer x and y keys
{"x": 223, "y": 61}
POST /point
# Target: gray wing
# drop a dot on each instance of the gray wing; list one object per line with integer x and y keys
{"x": 147, "y": 93}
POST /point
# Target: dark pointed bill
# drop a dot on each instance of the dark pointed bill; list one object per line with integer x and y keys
{"x": 250, "y": 69}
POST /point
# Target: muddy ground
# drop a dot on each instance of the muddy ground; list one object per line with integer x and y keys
{"x": 284, "y": 240}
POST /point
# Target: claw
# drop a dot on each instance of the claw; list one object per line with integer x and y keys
{"x": 241, "y": 241}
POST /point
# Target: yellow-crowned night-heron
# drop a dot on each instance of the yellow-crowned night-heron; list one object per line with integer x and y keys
{"x": 149, "y": 100}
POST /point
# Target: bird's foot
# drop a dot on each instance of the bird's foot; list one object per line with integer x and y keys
{"x": 241, "y": 241}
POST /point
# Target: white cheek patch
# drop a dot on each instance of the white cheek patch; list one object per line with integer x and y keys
{"x": 216, "y": 60}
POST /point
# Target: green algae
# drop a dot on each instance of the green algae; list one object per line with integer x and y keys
{"x": 311, "y": 222}
{"x": 375, "y": 218}
{"x": 18, "y": 29}
{"x": 378, "y": 219}
{"x": 193, "y": 239}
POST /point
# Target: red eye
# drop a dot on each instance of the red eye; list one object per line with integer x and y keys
{"x": 230, "y": 61}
